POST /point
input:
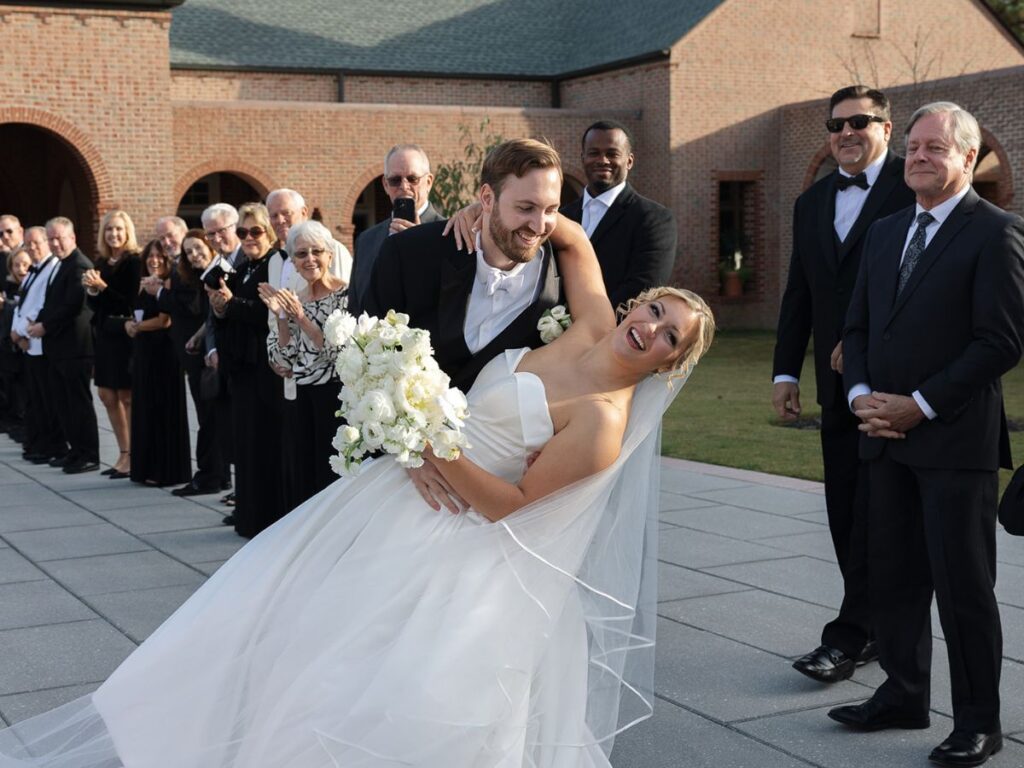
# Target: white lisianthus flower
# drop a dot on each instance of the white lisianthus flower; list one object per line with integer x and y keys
{"x": 373, "y": 434}
{"x": 377, "y": 406}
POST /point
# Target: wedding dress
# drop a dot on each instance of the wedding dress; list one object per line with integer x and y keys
{"x": 366, "y": 629}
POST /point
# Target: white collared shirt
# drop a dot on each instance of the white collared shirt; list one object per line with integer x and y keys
{"x": 850, "y": 201}
{"x": 489, "y": 313}
{"x": 941, "y": 213}
{"x": 594, "y": 208}
{"x": 28, "y": 310}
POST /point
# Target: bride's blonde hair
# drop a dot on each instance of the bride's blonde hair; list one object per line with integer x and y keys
{"x": 703, "y": 334}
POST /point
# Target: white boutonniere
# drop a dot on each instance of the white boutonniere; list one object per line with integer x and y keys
{"x": 553, "y": 323}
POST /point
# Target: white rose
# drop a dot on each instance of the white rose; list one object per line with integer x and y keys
{"x": 377, "y": 405}
{"x": 345, "y": 436}
{"x": 549, "y": 328}
{"x": 558, "y": 312}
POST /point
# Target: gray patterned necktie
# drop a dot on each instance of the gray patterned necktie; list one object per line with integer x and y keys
{"x": 914, "y": 250}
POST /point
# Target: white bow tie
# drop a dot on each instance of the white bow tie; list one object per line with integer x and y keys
{"x": 498, "y": 280}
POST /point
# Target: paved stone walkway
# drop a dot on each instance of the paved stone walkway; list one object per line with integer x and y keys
{"x": 90, "y": 567}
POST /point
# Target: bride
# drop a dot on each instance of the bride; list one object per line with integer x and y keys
{"x": 366, "y": 629}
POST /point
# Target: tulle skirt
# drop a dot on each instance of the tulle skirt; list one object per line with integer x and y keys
{"x": 364, "y": 629}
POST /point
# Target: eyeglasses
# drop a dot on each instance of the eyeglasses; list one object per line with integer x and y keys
{"x": 316, "y": 253}
{"x": 7, "y": 231}
{"x": 857, "y": 122}
{"x": 254, "y": 232}
{"x": 212, "y": 233}
{"x": 396, "y": 181}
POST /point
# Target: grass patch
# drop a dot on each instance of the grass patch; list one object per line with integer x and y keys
{"x": 724, "y": 415}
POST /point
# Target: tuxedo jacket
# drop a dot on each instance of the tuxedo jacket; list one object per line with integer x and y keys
{"x": 635, "y": 243}
{"x": 422, "y": 273}
{"x": 65, "y": 315}
{"x": 951, "y": 333}
{"x": 368, "y": 246}
{"x": 822, "y": 273}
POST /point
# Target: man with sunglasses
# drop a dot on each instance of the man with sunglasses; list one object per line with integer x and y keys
{"x": 406, "y": 175}
{"x": 830, "y": 221}
{"x": 11, "y": 233}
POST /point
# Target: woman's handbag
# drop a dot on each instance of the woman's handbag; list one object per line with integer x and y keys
{"x": 1011, "y": 506}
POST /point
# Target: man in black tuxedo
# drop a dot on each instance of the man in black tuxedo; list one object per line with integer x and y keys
{"x": 406, "y": 175}
{"x": 936, "y": 317}
{"x": 63, "y": 324}
{"x": 477, "y": 305}
{"x": 830, "y": 220}
{"x": 635, "y": 238}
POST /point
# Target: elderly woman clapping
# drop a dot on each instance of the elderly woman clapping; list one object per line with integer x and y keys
{"x": 296, "y": 341}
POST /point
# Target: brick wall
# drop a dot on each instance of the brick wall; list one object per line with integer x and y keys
{"x": 729, "y": 77}
{"x": 210, "y": 85}
{"x": 366, "y": 89}
{"x": 71, "y": 73}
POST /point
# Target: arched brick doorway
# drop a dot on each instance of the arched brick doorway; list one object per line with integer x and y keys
{"x": 220, "y": 187}
{"x": 42, "y": 176}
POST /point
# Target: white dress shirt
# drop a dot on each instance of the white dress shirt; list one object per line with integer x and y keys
{"x": 594, "y": 208}
{"x": 498, "y": 297}
{"x": 28, "y": 310}
{"x": 850, "y": 201}
{"x": 940, "y": 212}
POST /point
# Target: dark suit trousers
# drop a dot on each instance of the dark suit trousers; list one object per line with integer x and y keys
{"x": 42, "y": 429}
{"x": 933, "y": 531}
{"x": 69, "y": 382}
{"x": 846, "y": 499}
{"x": 314, "y": 428}
{"x": 212, "y": 471}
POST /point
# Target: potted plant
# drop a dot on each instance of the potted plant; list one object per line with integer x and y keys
{"x": 734, "y": 274}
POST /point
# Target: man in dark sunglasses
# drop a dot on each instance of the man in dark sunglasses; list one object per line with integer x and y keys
{"x": 11, "y": 233}
{"x": 830, "y": 221}
{"x": 407, "y": 181}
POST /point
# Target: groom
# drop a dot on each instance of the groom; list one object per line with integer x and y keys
{"x": 477, "y": 305}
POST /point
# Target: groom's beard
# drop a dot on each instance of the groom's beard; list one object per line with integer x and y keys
{"x": 508, "y": 241}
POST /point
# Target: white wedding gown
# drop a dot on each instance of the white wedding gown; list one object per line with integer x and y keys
{"x": 365, "y": 629}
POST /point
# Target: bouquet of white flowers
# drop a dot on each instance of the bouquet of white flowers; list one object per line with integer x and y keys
{"x": 553, "y": 323}
{"x": 394, "y": 396}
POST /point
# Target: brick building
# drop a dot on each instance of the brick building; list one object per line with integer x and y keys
{"x": 160, "y": 105}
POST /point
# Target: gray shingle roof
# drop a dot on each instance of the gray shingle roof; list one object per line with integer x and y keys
{"x": 524, "y": 38}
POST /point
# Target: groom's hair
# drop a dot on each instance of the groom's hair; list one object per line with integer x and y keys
{"x": 517, "y": 157}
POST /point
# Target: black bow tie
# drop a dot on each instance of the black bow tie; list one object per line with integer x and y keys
{"x": 845, "y": 182}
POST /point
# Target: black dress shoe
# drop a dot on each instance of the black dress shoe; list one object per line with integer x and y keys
{"x": 80, "y": 466}
{"x": 228, "y": 520}
{"x": 60, "y": 461}
{"x": 191, "y": 490}
{"x": 868, "y": 653}
{"x": 117, "y": 474}
{"x": 874, "y": 715}
{"x": 228, "y": 500}
{"x": 35, "y": 458}
{"x": 963, "y": 748}
{"x": 826, "y": 665}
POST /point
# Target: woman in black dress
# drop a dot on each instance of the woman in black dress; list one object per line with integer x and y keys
{"x": 14, "y": 395}
{"x": 296, "y": 342}
{"x": 159, "y": 431}
{"x": 112, "y": 289}
{"x": 183, "y": 298}
{"x": 256, "y": 392}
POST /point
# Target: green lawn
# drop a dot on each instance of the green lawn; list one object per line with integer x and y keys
{"x": 724, "y": 414}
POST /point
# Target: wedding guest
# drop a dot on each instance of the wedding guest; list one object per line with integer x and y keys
{"x": 112, "y": 289}
{"x": 634, "y": 237}
{"x": 830, "y": 222}
{"x": 159, "y": 417}
{"x": 44, "y": 438}
{"x": 64, "y": 325}
{"x": 11, "y": 233}
{"x": 936, "y": 317}
{"x": 406, "y": 175}
{"x": 183, "y": 298}
{"x": 12, "y": 363}
{"x": 170, "y": 231}
{"x": 255, "y": 391}
{"x": 296, "y": 342}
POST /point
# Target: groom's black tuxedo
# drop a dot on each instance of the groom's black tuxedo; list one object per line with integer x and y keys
{"x": 953, "y": 330}
{"x": 423, "y": 274}
{"x": 822, "y": 272}
{"x": 635, "y": 243}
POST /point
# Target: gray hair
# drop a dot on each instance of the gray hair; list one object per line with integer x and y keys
{"x": 176, "y": 221}
{"x": 60, "y": 221}
{"x": 966, "y": 131}
{"x": 298, "y": 200}
{"x": 220, "y": 211}
{"x": 405, "y": 148}
{"x": 10, "y": 217}
{"x": 30, "y": 230}
{"x": 312, "y": 232}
